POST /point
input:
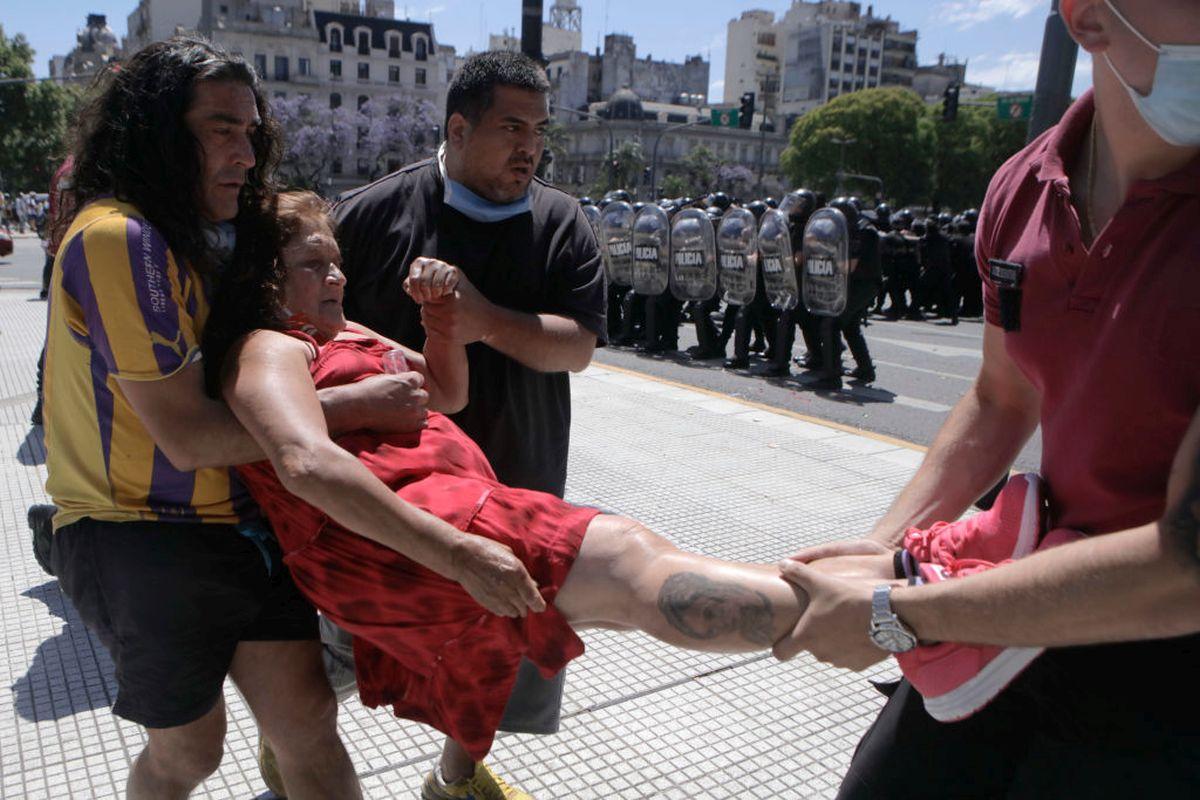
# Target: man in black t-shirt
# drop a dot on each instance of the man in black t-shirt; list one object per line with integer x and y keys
{"x": 530, "y": 307}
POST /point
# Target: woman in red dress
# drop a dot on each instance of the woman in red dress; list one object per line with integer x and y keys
{"x": 444, "y": 576}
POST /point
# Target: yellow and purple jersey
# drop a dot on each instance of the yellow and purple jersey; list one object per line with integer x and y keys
{"x": 122, "y": 306}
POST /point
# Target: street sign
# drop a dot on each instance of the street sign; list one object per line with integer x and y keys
{"x": 1015, "y": 107}
{"x": 725, "y": 117}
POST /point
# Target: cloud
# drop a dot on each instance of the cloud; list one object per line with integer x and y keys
{"x": 966, "y": 14}
{"x": 1006, "y": 71}
{"x": 716, "y": 89}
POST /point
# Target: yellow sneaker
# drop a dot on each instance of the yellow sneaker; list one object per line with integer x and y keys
{"x": 483, "y": 785}
{"x": 268, "y": 768}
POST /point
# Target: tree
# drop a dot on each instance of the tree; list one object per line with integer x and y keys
{"x": 969, "y": 151}
{"x": 735, "y": 179}
{"x": 894, "y": 139}
{"x": 37, "y": 117}
{"x": 695, "y": 174}
{"x": 314, "y": 137}
{"x": 625, "y": 169}
{"x": 397, "y": 130}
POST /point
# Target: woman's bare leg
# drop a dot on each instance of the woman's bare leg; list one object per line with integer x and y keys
{"x": 628, "y": 576}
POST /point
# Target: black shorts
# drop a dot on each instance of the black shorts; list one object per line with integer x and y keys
{"x": 171, "y": 601}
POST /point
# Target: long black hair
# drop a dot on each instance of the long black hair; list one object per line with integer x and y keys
{"x": 133, "y": 142}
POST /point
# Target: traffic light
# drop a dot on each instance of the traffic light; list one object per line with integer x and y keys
{"x": 950, "y": 103}
{"x": 746, "y": 111}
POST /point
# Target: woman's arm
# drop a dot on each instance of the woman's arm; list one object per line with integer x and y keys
{"x": 271, "y": 392}
{"x": 443, "y": 365}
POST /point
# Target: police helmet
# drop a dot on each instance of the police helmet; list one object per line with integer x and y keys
{"x": 846, "y": 206}
{"x": 902, "y": 220}
{"x": 919, "y": 227}
{"x": 757, "y": 208}
{"x": 722, "y": 201}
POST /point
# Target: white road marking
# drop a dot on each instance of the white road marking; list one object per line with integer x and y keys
{"x": 943, "y": 350}
{"x": 897, "y": 364}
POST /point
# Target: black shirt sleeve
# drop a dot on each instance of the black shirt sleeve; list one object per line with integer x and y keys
{"x": 578, "y": 286}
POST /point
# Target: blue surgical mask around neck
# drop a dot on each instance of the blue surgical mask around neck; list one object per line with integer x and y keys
{"x": 471, "y": 205}
{"x": 1172, "y": 108}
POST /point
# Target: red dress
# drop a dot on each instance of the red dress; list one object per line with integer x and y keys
{"x": 421, "y": 643}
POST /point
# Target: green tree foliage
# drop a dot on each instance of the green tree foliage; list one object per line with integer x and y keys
{"x": 892, "y": 140}
{"x": 969, "y": 151}
{"x": 626, "y": 170}
{"x": 921, "y": 159}
{"x": 695, "y": 174}
{"x": 35, "y": 120}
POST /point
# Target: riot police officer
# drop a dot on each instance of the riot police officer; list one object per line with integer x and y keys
{"x": 865, "y": 272}
{"x": 756, "y": 317}
{"x": 939, "y": 269}
{"x": 798, "y": 206}
{"x": 710, "y": 345}
{"x": 905, "y": 267}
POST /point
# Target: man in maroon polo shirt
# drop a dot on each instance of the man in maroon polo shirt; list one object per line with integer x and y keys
{"x": 1089, "y": 246}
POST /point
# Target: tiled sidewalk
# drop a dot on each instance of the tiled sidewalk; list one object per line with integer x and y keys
{"x": 641, "y": 720}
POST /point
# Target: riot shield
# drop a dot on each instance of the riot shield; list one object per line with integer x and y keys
{"x": 616, "y": 242}
{"x": 778, "y": 261}
{"x": 592, "y": 213}
{"x": 693, "y": 256}
{"x": 790, "y": 202}
{"x": 737, "y": 256}
{"x": 651, "y": 251}
{"x": 826, "y": 263}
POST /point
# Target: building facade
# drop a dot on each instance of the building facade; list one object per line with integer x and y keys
{"x": 814, "y": 52}
{"x": 335, "y": 52}
{"x": 96, "y": 46}
{"x": 667, "y": 134}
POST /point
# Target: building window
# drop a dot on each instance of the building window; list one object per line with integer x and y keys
{"x": 281, "y": 68}
{"x": 335, "y": 40}
{"x": 364, "y": 71}
{"x": 393, "y": 74}
{"x": 337, "y": 166}
{"x": 420, "y": 77}
{"x": 335, "y": 100}
{"x": 393, "y": 46}
{"x": 260, "y": 65}
{"x": 422, "y": 50}
{"x": 766, "y": 39}
{"x": 335, "y": 69}
{"x": 364, "y": 43}
{"x": 304, "y": 67}
{"x": 224, "y": 9}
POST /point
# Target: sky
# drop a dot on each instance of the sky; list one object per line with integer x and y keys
{"x": 999, "y": 39}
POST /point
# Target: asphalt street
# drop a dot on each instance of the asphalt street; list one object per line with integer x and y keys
{"x": 923, "y": 368}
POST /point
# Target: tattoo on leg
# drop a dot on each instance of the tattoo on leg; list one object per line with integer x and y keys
{"x": 705, "y": 609}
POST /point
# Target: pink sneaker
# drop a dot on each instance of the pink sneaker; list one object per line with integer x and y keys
{"x": 956, "y": 680}
{"x": 1009, "y": 529}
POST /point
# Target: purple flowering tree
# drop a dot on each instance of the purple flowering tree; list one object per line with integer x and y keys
{"x": 394, "y": 131}
{"x": 314, "y": 137}
{"x": 736, "y": 179}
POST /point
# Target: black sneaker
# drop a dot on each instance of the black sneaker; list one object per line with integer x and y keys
{"x": 737, "y": 363}
{"x": 42, "y": 532}
{"x": 863, "y": 374}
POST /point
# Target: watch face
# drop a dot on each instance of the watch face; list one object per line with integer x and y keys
{"x": 892, "y": 638}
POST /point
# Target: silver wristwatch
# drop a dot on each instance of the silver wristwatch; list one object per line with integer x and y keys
{"x": 886, "y": 630}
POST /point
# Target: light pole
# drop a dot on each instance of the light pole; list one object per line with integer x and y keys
{"x": 657, "y": 139}
{"x": 607, "y": 127}
{"x": 1056, "y": 72}
{"x": 841, "y": 170}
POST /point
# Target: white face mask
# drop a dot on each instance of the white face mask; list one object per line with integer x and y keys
{"x": 1172, "y": 109}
